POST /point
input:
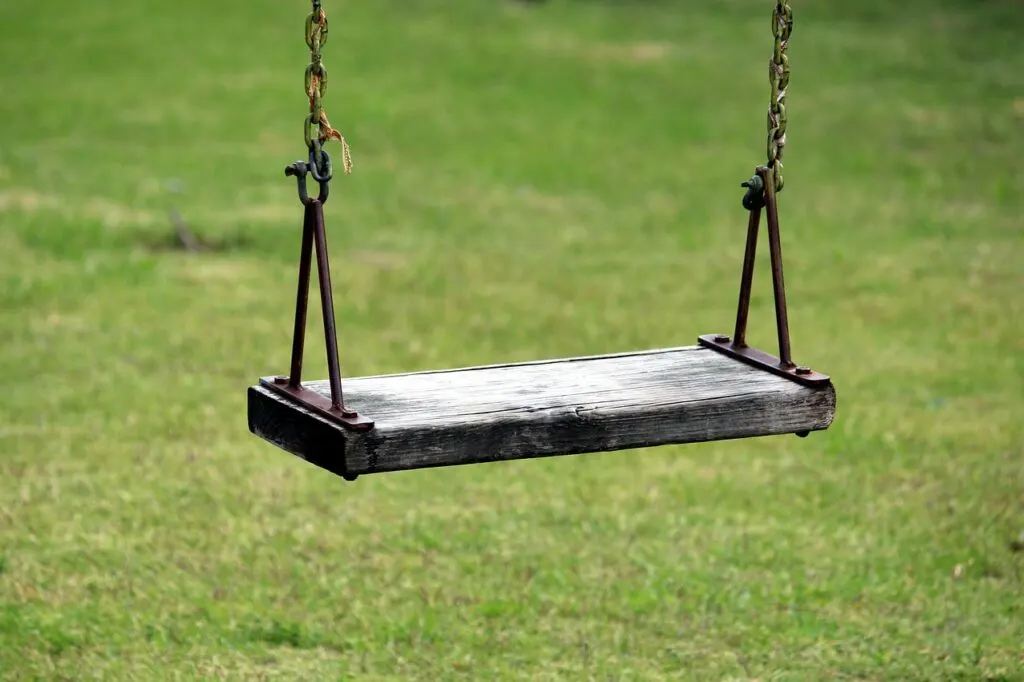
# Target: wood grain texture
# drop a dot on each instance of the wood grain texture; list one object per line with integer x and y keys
{"x": 542, "y": 409}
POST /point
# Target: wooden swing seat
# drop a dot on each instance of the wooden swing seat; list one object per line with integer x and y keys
{"x": 541, "y": 409}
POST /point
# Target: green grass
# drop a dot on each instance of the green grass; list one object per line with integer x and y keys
{"x": 529, "y": 183}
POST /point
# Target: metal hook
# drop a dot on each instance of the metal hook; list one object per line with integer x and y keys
{"x": 753, "y": 200}
{"x": 300, "y": 169}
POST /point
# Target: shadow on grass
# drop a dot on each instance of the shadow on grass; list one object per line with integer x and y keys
{"x": 173, "y": 242}
{"x": 291, "y": 634}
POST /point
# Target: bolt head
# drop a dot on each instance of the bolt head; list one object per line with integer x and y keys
{"x": 803, "y": 370}
{"x": 721, "y": 338}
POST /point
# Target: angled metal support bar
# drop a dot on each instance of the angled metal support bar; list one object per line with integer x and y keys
{"x": 290, "y": 387}
{"x": 760, "y": 197}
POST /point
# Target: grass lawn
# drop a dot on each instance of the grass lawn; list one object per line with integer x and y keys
{"x": 529, "y": 182}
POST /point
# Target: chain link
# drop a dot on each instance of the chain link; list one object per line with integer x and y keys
{"x": 778, "y": 76}
{"x": 315, "y": 86}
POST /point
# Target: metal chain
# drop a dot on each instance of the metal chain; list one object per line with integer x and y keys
{"x": 778, "y": 76}
{"x": 315, "y": 86}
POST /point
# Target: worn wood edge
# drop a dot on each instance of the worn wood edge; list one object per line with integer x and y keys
{"x": 577, "y": 436}
{"x": 324, "y": 444}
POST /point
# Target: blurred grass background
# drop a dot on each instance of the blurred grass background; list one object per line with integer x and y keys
{"x": 530, "y": 181}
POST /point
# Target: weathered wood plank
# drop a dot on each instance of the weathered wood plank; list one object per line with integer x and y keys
{"x": 542, "y": 409}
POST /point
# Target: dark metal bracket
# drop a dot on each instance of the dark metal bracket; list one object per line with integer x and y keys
{"x": 314, "y": 402}
{"x": 291, "y": 387}
{"x": 758, "y": 358}
{"x": 760, "y": 197}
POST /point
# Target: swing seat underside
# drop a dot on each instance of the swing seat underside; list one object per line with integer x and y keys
{"x": 541, "y": 409}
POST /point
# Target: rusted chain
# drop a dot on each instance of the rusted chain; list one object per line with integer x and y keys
{"x": 778, "y": 76}
{"x": 315, "y": 86}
